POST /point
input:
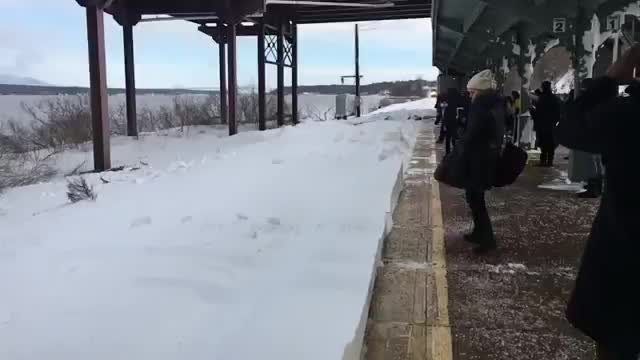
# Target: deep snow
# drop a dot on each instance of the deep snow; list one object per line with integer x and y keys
{"x": 260, "y": 245}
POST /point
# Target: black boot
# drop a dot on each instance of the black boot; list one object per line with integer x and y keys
{"x": 471, "y": 238}
{"x": 594, "y": 189}
{"x": 486, "y": 246}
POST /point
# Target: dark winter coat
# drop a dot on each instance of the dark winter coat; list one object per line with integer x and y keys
{"x": 605, "y": 303}
{"x": 482, "y": 141}
{"x": 450, "y": 119}
{"x": 546, "y": 116}
{"x": 440, "y": 101}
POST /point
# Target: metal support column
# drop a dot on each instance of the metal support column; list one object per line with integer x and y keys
{"x": 98, "y": 92}
{"x": 222, "y": 61}
{"x": 578, "y": 51}
{"x": 130, "y": 80}
{"x": 581, "y": 164}
{"x": 357, "y": 53}
{"x": 294, "y": 74}
{"x": 523, "y": 42}
{"x": 233, "y": 78}
{"x": 280, "y": 62}
{"x": 262, "y": 77}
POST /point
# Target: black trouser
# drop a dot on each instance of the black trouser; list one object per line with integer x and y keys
{"x": 451, "y": 137}
{"x": 482, "y": 228}
{"x": 442, "y": 132}
{"x": 548, "y": 153}
{"x": 608, "y": 354}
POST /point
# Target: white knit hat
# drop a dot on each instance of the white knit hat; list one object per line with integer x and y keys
{"x": 482, "y": 81}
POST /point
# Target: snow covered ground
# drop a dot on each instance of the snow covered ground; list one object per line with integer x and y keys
{"x": 258, "y": 246}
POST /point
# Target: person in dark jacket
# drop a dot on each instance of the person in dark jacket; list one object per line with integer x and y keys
{"x": 547, "y": 115}
{"x": 481, "y": 145}
{"x": 604, "y": 303}
{"x": 441, "y": 104}
{"x": 450, "y": 118}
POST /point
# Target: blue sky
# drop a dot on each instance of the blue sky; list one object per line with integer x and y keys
{"x": 46, "y": 39}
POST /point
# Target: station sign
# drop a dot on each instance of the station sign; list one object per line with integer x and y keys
{"x": 560, "y": 25}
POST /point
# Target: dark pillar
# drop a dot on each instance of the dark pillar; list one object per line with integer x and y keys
{"x": 580, "y": 71}
{"x": 262, "y": 78}
{"x": 294, "y": 74}
{"x": 357, "y": 40}
{"x": 280, "y": 61}
{"x": 222, "y": 60}
{"x": 98, "y": 92}
{"x": 523, "y": 42}
{"x": 130, "y": 80}
{"x": 233, "y": 78}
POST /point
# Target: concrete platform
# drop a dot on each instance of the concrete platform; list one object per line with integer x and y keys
{"x": 401, "y": 320}
{"x": 434, "y": 300}
{"x": 510, "y": 304}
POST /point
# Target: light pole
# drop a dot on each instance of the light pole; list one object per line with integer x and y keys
{"x": 357, "y": 60}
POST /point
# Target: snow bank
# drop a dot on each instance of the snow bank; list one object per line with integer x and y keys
{"x": 565, "y": 83}
{"x": 256, "y": 246}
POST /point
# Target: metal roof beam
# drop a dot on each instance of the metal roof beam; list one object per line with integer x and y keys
{"x": 361, "y": 17}
{"x": 467, "y": 24}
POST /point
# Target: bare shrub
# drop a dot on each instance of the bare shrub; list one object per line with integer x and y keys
{"x": 248, "y": 107}
{"x": 60, "y": 122}
{"x": 150, "y": 120}
{"x": 314, "y": 113}
{"x": 118, "y": 120}
{"x": 20, "y": 167}
{"x": 78, "y": 190}
{"x": 189, "y": 111}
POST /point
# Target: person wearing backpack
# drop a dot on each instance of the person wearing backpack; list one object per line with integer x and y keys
{"x": 604, "y": 304}
{"x": 481, "y": 146}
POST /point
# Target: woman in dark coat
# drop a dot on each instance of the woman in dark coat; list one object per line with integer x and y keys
{"x": 605, "y": 303}
{"x": 481, "y": 145}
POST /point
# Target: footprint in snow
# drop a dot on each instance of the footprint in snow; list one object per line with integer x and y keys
{"x": 141, "y": 221}
{"x": 277, "y": 161}
{"x": 274, "y": 221}
{"x": 186, "y": 219}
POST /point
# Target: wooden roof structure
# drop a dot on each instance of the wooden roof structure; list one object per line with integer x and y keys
{"x": 301, "y": 12}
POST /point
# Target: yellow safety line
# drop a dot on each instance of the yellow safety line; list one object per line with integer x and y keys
{"x": 441, "y": 346}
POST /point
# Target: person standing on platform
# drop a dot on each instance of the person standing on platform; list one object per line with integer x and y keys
{"x": 481, "y": 146}
{"x": 547, "y": 115}
{"x": 604, "y": 303}
{"x": 450, "y": 118}
{"x": 441, "y": 104}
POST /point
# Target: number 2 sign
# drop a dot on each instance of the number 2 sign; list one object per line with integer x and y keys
{"x": 559, "y": 25}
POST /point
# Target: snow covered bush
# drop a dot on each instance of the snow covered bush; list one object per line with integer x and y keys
{"x": 21, "y": 163}
{"x": 78, "y": 189}
{"x": 59, "y": 122}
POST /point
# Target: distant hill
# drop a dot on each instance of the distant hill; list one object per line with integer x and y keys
{"x": 19, "y": 80}
{"x": 9, "y": 89}
{"x": 393, "y": 88}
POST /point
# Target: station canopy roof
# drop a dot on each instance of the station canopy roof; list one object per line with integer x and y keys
{"x": 464, "y": 29}
{"x": 302, "y": 12}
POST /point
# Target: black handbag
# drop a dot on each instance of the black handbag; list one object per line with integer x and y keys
{"x": 451, "y": 170}
{"x": 510, "y": 165}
